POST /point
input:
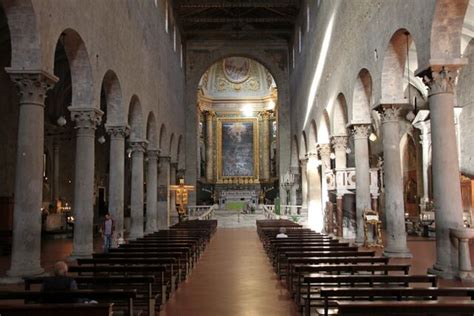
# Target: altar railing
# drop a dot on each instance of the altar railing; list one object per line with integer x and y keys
{"x": 293, "y": 212}
{"x": 201, "y": 211}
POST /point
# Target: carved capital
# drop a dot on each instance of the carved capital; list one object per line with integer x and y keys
{"x": 164, "y": 159}
{"x": 390, "y": 113}
{"x": 360, "y": 131}
{"x": 138, "y": 146}
{"x": 174, "y": 165}
{"x": 85, "y": 118}
{"x": 265, "y": 115}
{"x": 32, "y": 85}
{"x": 324, "y": 150}
{"x": 118, "y": 131}
{"x": 153, "y": 154}
{"x": 210, "y": 115}
{"x": 440, "y": 81}
{"x": 339, "y": 143}
{"x": 303, "y": 162}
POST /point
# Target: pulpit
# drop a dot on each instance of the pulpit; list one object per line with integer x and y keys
{"x": 372, "y": 219}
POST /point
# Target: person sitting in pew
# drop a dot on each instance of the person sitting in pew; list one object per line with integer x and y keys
{"x": 59, "y": 281}
{"x": 282, "y": 233}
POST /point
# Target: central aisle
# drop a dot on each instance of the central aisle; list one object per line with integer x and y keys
{"x": 233, "y": 277}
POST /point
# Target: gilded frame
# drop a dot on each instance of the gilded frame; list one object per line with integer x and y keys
{"x": 256, "y": 167}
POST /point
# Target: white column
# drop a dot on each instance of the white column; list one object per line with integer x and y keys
{"x": 325, "y": 154}
{"x": 210, "y": 146}
{"x": 86, "y": 120}
{"x": 304, "y": 182}
{"x": 152, "y": 191}
{"x": 446, "y": 181}
{"x": 163, "y": 198}
{"x": 26, "y": 249}
{"x": 116, "y": 174}
{"x": 315, "y": 211}
{"x": 293, "y": 191}
{"x": 173, "y": 172}
{"x": 138, "y": 150}
{"x": 425, "y": 138}
{"x": 340, "y": 146}
{"x": 56, "y": 157}
{"x": 266, "y": 146}
{"x": 396, "y": 236}
{"x": 361, "y": 152}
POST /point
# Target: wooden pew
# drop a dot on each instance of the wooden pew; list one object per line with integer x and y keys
{"x": 407, "y": 308}
{"x": 160, "y": 286}
{"x": 101, "y": 309}
{"x": 320, "y": 280}
{"x": 330, "y": 295}
{"x": 157, "y": 248}
{"x": 141, "y": 284}
{"x": 301, "y": 270}
{"x": 114, "y": 296}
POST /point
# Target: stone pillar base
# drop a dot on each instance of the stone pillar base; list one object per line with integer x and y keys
{"x": 79, "y": 255}
{"x": 14, "y": 274}
{"x": 445, "y": 273}
{"x": 397, "y": 253}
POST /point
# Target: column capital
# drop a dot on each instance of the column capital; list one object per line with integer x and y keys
{"x": 265, "y": 115}
{"x": 440, "y": 76}
{"x": 152, "y": 154}
{"x": 210, "y": 114}
{"x": 32, "y": 84}
{"x": 390, "y": 113}
{"x": 118, "y": 131}
{"x": 165, "y": 159}
{"x": 312, "y": 155}
{"x": 324, "y": 150}
{"x": 138, "y": 146}
{"x": 174, "y": 165}
{"x": 303, "y": 161}
{"x": 360, "y": 130}
{"x": 85, "y": 117}
{"x": 339, "y": 142}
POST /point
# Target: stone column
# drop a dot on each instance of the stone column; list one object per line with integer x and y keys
{"x": 446, "y": 185}
{"x": 210, "y": 146}
{"x": 360, "y": 133}
{"x": 117, "y": 174}
{"x": 304, "y": 182}
{"x": 173, "y": 172}
{"x": 136, "y": 187}
{"x": 293, "y": 191}
{"x": 315, "y": 212}
{"x": 425, "y": 138}
{"x": 325, "y": 154}
{"x": 56, "y": 157}
{"x": 152, "y": 191}
{"x": 396, "y": 236}
{"x": 163, "y": 184}
{"x": 26, "y": 248}
{"x": 266, "y": 145}
{"x": 86, "y": 120}
{"x": 340, "y": 146}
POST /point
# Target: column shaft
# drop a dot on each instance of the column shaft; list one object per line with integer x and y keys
{"x": 325, "y": 154}
{"x": 116, "y": 174}
{"x": 152, "y": 191}
{"x": 395, "y": 237}
{"x": 173, "y": 171}
{"x": 210, "y": 147}
{"x": 164, "y": 200}
{"x": 86, "y": 120}
{"x": 266, "y": 145}
{"x": 26, "y": 250}
{"x": 136, "y": 201}
{"x": 315, "y": 212}
{"x": 56, "y": 156}
{"x": 304, "y": 182}
{"x": 361, "y": 152}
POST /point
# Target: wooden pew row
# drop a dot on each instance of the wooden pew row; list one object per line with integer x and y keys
{"x": 296, "y": 281}
{"x": 115, "y": 296}
{"x": 101, "y": 309}
{"x": 313, "y": 283}
{"x": 406, "y": 308}
{"x": 331, "y": 295}
{"x": 143, "y": 285}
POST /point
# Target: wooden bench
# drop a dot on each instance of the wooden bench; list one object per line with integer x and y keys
{"x": 330, "y": 295}
{"x": 115, "y": 296}
{"x": 145, "y": 298}
{"x": 161, "y": 285}
{"x": 320, "y": 280}
{"x": 411, "y": 308}
{"x": 300, "y": 270}
{"x": 100, "y": 309}
{"x": 157, "y": 248}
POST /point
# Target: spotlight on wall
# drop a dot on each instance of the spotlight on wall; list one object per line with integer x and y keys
{"x": 247, "y": 110}
{"x": 348, "y": 150}
{"x": 271, "y": 105}
{"x": 61, "y": 121}
{"x": 332, "y": 156}
{"x": 101, "y": 140}
{"x": 372, "y": 137}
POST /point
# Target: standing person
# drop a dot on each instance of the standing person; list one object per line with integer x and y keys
{"x": 108, "y": 228}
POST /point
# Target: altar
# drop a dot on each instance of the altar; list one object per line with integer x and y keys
{"x": 236, "y": 199}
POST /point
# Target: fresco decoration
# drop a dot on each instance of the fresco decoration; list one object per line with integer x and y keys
{"x": 236, "y": 69}
{"x": 237, "y": 148}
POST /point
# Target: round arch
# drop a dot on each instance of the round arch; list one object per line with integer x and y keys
{"x": 135, "y": 119}
{"x": 163, "y": 138}
{"x": 152, "y": 132}
{"x": 339, "y": 116}
{"x": 362, "y": 98}
{"x": 113, "y": 95}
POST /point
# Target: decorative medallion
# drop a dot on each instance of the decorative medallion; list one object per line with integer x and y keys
{"x": 236, "y": 69}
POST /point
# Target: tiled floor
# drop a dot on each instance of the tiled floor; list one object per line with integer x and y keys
{"x": 234, "y": 276}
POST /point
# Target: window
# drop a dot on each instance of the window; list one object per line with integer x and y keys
{"x": 181, "y": 55}
{"x": 166, "y": 17}
{"x": 293, "y": 57}
{"x": 307, "y": 18}
{"x": 299, "y": 40}
{"x": 174, "y": 38}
